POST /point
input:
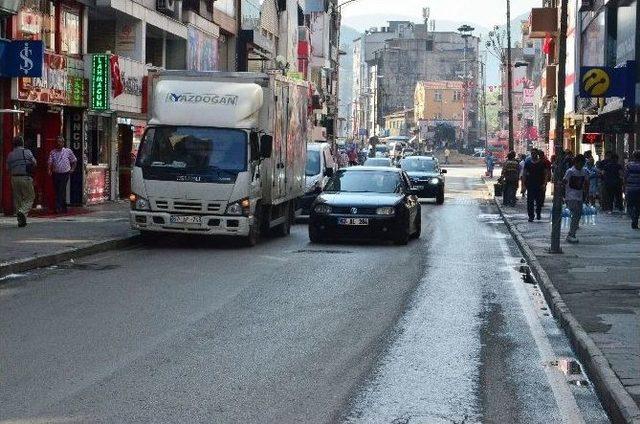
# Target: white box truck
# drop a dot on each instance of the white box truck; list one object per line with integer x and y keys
{"x": 223, "y": 154}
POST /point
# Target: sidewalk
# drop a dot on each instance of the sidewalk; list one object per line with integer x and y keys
{"x": 50, "y": 239}
{"x": 599, "y": 282}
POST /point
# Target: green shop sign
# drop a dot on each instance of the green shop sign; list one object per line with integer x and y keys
{"x": 100, "y": 82}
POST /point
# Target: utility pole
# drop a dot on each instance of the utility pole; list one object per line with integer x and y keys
{"x": 465, "y": 33}
{"x": 556, "y": 212}
{"x": 509, "y": 76}
{"x": 484, "y": 103}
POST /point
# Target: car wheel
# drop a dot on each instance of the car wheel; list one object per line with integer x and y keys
{"x": 418, "y": 232}
{"x": 440, "y": 197}
{"x": 314, "y": 235}
{"x": 402, "y": 239}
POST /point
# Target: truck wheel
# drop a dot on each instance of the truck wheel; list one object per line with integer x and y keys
{"x": 254, "y": 230}
{"x": 284, "y": 229}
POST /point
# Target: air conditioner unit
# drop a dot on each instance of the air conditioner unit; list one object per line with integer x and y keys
{"x": 166, "y": 6}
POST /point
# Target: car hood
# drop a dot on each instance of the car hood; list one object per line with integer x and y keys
{"x": 423, "y": 174}
{"x": 360, "y": 199}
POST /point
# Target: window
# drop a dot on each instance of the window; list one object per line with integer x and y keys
{"x": 438, "y": 96}
{"x": 226, "y": 6}
{"x": 70, "y": 34}
{"x": 457, "y": 96}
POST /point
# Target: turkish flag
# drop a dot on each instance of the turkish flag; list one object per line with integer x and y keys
{"x": 548, "y": 46}
{"x": 117, "y": 87}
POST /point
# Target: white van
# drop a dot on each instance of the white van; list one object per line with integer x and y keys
{"x": 320, "y": 167}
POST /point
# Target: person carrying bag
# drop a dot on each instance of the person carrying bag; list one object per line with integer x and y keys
{"x": 21, "y": 164}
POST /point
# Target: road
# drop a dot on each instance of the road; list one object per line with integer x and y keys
{"x": 442, "y": 330}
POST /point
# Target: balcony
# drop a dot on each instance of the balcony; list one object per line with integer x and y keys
{"x": 549, "y": 84}
{"x": 543, "y": 21}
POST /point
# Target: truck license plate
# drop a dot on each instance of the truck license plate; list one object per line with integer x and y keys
{"x": 353, "y": 221}
{"x": 185, "y": 219}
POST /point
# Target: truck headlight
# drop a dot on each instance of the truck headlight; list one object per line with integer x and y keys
{"x": 139, "y": 203}
{"x": 322, "y": 209}
{"x": 434, "y": 180}
{"x": 241, "y": 207}
{"x": 386, "y": 210}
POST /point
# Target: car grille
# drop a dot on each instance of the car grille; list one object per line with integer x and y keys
{"x": 188, "y": 206}
{"x": 347, "y": 210}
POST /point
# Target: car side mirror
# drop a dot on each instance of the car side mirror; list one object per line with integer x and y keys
{"x": 266, "y": 146}
{"x": 444, "y": 171}
{"x": 328, "y": 172}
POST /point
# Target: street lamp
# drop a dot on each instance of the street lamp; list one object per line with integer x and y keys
{"x": 465, "y": 32}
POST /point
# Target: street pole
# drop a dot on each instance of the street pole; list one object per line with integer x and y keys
{"x": 484, "y": 103}
{"x": 509, "y": 76}
{"x": 464, "y": 95}
{"x": 556, "y": 213}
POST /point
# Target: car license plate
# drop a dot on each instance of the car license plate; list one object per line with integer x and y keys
{"x": 418, "y": 187}
{"x": 353, "y": 221}
{"x": 185, "y": 219}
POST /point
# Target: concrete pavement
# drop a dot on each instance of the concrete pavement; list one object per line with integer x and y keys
{"x": 50, "y": 239}
{"x": 599, "y": 281}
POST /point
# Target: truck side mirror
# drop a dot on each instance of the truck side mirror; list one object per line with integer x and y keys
{"x": 254, "y": 146}
{"x": 266, "y": 146}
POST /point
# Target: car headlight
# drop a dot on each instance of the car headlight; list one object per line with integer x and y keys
{"x": 139, "y": 203}
{"x": 385, "y": 210}
{"x": 241, "y": 207}
{"x": 322, "y": 209}
{"x": 434, "y": 180}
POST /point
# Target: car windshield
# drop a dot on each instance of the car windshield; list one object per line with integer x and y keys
{"x": 214, "y": 153}
{"x": 418, "y": 165}
{"x": 382, "y": 148}
{"x": 313, "y": 163}
{"x": 377, "y": 162}
{"x": 362, "y": 181}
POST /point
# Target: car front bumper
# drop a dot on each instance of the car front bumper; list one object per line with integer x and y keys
{"x": 428, "y": 190}
{"x": 209, "y": 225}
{"x": 379, "y": 227}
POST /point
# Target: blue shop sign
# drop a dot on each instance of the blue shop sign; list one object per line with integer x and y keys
{"x": 22, "y": 58}
{"x": 601, "y": 81}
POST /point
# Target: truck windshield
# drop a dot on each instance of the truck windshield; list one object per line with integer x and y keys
{"x": 215, "y": 153}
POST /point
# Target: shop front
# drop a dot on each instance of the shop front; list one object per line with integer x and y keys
{"x": 51, "y": 106}
{"x": 115, "y": 124}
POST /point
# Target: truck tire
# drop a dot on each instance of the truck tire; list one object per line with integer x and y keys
{"x": 284, "y": 229}
{"x": 254, "y": 230}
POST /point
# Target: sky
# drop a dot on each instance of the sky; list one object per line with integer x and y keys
{"x": 482, "y": 12}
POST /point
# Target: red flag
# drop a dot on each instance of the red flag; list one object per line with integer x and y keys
{"x": 548, "y": 45}
{"x": 117, "y": 87}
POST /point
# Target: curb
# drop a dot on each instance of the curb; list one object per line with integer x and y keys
{"x": 22, "y": 265}
{"x": 616, "y": 401}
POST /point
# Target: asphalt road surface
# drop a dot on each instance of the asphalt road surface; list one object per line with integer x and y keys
{"x": 443, "y": 330}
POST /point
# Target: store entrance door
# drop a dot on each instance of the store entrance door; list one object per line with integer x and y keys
{"x": 125, "y": 159}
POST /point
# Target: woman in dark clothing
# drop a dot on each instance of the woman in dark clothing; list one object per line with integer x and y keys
{"x": 612, "y": 178}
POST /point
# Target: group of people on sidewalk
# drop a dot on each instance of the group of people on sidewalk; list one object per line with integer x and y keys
{"x": 583, "y": 181}
{"x": 21, "y": 165}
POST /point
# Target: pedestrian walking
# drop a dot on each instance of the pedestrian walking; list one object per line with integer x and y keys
{"x": 632, "y": 188}
{"x": 511, "y": 175}
{"x": 576, "y": 186}
{"x": 612, "y": 177}
{"x": 20, "y": 164}
{"x": 533, "y": 179}
{"x": 62, "y": 162}
{"x": 605, "y": 201}
{"x": 446, "y": 155}
{"x": 594, "y": 180}
{"x": 491, "y": 163}
{"x": 523, "y": 160}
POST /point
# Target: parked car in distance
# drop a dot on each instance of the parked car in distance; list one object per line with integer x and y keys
{"x": 319, "y": 168}
{"x": 366, "y": 202}
{"x": 479, "y": 155}
{"x": 382, "y": 151}
{"x": 378, "y": 162}
{"x": 427, "y": 178}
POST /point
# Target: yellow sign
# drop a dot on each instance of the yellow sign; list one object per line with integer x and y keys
{"x": 596, "y": 82}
